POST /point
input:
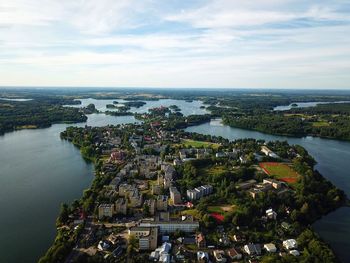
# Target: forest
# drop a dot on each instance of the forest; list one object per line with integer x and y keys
{"x": 37, "y": 113}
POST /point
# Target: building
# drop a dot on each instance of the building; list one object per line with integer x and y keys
{"x": 252, "y": 249}
{"x": 246, "y": 185}
{"x": 275, "y": 183}
{"x": 200, "y": 241}
{"x": 268, "y": 152}
{"x": 118, "y": 156}
{"x": 234, "y": 254}
{"x": 271, "y": 248}
{"x": 126, "y": 189}
{"x": 121, "y": 206}
{"x": 290, "y": 244}
{"x": 162, "y": 203}
{"x": 147, "y": 236}
{"x": 156, "y": 189}
{"x": 270, "y": 214}
{"x": 175, "y": 195}
{"x": 202, "y": 257}
{"x": 135, "y": 198}
{"x": 294, "y": 252}
{"x": 105, "y": 210}
{"x": 151, "y": 203}
{"x": 219, "y": 256}
{"x": 199, "y": 192}
{"x": 171, "y": 226}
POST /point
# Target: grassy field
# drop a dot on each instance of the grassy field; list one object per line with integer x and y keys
{"x": 280, "y": 171}
{"x": 214, "y": 170}
{"x": 199, "y": 144}
{"x": 320, "y": 124}
{"x": 221, "y": 209}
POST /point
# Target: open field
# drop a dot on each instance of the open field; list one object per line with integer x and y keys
{"x": 221, "y": 209}
{"x": 214, "y": 170}
{"x": 280, "y": 171}
{"x": 199, "y": 144}
{"x": 320, "y": 124}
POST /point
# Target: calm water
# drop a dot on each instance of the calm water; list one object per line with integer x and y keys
{"x": 187, "y": 108}
{"x": 304, "y": 105}
{"x": 333, "y": 162}
{"x": 38, "y": 172}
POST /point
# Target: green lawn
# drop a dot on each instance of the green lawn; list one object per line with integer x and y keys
{"x": 214, "y": 170}
{"x": 199, "y": 144}
{"x": 221, "y": 209}
{"x": 320, "y": 124}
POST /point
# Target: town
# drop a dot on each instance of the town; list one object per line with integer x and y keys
{"x": 165, "y": 195}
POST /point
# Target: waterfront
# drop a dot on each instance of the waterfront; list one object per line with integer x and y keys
{"x": 39, "y": 171}
{"x": 332, "y": 161}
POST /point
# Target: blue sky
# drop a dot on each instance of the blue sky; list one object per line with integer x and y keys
{"x": 149, "y": 43}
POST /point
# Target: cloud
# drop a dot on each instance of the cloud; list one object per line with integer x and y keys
{"x": 224, "y": 43}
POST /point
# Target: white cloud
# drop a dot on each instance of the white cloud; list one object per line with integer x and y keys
{"x": 215, "y": 43}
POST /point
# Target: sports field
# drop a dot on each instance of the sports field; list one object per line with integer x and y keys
{"x": 280, "y": 171}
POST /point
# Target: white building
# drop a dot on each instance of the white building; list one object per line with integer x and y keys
{"x": 290, "y": 244}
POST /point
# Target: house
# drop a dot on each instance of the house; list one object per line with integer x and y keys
{"x": 243, "y": 159}
{"x": 147, "y": 236}
{"x": 121, "y": 206}
{"x": 252, "y": 249}
{"x": 290, "y": 244}
{"x": 294, "y": 252}
{"x": 177, "y": 162}
{"x": 270, "y": 214}
{"x": 202, "y": 257}
{"x": 234, "y": 254}
{"x": 175, "y": 195}
{"x": 105, "y": 210}
{"x": 219, "y": 256}
{"x": 200, "y": 241}
{"x": 255, "y": 192}
{"x": 271, "y": 248}
{"x": 162, "y": 203}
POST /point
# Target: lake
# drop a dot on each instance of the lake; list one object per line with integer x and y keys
{"x": 304, "y": 105}
{"x": 39, "y": 171}
{"x": 187, "y": 108}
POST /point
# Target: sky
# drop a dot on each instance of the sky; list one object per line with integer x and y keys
{"x": 188, "y": 44}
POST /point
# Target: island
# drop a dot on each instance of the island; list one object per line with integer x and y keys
{"x": 39, "y": 112}
{"x": 162, "y": 193}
